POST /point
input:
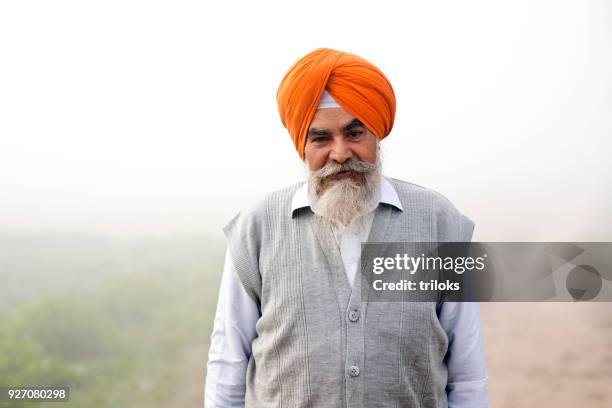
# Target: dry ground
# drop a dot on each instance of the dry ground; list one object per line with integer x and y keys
{"x": 549, "y": 354}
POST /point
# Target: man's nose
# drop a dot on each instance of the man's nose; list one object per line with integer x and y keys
{"x": 340, "y": 151}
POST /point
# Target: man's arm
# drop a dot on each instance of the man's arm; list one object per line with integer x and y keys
{"x": 467, "y": 374}
{"x": 230, "y": 344}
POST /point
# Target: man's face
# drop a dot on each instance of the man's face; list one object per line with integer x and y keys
{"x": 343, "y": 166}
{"x": 337, "y": 136}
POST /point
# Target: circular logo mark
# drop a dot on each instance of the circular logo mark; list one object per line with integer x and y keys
{"x": 583, "y": 283}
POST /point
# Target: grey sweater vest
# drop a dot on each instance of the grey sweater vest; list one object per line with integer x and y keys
{"x": 318, "y": 344}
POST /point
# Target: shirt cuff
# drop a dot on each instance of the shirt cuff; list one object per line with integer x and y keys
{"x": 468, "y": 394}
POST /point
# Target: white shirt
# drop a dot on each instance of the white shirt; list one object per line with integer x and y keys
{"x": 237, "y": 314}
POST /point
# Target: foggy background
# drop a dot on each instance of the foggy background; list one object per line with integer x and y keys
{"x": 131, "y": 132}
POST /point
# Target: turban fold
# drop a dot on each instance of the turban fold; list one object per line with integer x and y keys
{"x": 359, "y": 87}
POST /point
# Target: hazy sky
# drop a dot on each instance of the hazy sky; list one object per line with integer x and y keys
{"x": 149, "y": 116}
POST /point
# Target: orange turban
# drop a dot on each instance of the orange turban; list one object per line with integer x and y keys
{"x": 356, "y": 85}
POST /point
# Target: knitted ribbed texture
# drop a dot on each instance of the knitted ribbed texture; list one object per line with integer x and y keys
{"x": 307, "y": 347}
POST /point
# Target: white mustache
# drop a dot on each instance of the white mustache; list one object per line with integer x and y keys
{"x": 332, "y": 168}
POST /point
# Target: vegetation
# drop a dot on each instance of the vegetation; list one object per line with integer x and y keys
{"x": 123, "y": 324}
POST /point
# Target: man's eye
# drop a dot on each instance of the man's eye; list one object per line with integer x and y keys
{"x": 319, "y": 139}
{"x": 355, "y": 134}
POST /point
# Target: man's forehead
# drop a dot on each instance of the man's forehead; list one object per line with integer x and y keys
{"x": 333, "y": 118}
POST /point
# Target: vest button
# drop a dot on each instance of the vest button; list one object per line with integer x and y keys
{"x": 353, "y": 371}
{"x": 353, "y": 315}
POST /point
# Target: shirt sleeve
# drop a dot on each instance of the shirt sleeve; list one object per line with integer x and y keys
{"x": 465, "y": 360}
{"x": 230, "y": 343}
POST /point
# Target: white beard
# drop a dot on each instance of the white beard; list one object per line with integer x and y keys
{"x": 344, "y": 201}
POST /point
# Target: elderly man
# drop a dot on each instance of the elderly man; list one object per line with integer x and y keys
{"x": 291, "y": 329}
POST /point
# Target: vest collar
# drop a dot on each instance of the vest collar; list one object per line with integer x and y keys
{"x": 388, "y": 195}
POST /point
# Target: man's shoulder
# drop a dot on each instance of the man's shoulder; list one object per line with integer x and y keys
{"x": 412, "y": 195}
{"x": 420, "y": 200}
{"x": 270, "y": 204}
{"x": 275, "y": 200}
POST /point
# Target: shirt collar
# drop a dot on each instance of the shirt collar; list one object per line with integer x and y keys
{"x": 388, "y": 195}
